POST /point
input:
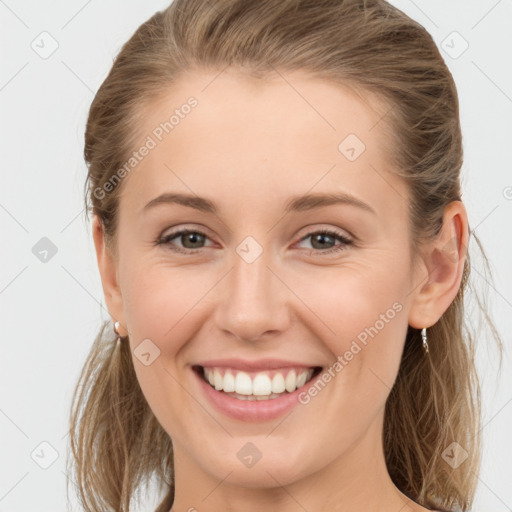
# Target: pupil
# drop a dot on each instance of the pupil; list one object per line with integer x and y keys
{"x": 321, "y": 238}
{"x": 193, "y": 238}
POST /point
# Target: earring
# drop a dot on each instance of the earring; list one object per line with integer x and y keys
{"x": 424, "y": 339}
{"x": 116, "y": 330}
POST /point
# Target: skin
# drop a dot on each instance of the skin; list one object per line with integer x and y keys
{"x": 249, "y": 146}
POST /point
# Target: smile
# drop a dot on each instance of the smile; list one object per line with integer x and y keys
{"x": 266, "y": 385}
{"x": 253, "y": 390}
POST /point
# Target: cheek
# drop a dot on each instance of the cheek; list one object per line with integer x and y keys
{"x": 363, "y": 323}
{"x": 159, "y": 311}
{"x": 158, "y": 300}
{"x": 347, "y": 300}
{"x": 362, "y": 320}
{"x": 165, "y": 305}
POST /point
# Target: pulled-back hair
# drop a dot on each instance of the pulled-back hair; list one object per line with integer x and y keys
{"x": 116, "y": 442}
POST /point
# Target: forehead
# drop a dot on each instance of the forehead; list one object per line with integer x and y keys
{"x": 253, "y": 139}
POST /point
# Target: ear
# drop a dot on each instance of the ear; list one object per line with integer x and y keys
{"x": 441, "y": 268}
{"x": 109, "y": 280}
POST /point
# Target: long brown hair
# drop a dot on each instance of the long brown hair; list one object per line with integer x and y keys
{"x": 116, "y": 442}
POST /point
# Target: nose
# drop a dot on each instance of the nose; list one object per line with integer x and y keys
{"x": 254, "y": 301}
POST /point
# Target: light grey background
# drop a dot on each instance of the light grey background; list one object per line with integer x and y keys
{"x": 52, "y": 310}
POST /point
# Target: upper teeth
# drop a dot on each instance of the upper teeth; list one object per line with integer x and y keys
{"x": 261, "y": 383}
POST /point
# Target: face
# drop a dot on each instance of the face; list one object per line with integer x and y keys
{"x": 265, "y": 282}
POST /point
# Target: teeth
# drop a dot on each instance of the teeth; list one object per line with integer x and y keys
{"x": 301, "y": 379}
{"x": 261, "y": 387}
{"x": 278, "y": 385}
{"x": 253, "y": 397}
{"x": 229, "y": 383}
{"x": 291, "y": 381}
{"x": 218, "y": 381}
{"x": 243, "y": 383}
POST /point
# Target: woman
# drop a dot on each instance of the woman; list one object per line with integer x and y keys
{"x": 281, "y": 240}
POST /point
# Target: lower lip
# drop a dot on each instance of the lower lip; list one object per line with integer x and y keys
{"x": 251, "y": 410}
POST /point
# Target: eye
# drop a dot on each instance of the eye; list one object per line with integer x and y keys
{"x": 322, "y": 239}
{"x": 191, "y": 239}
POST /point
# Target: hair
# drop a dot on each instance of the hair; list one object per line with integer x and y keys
{"x": 116, "y": 441}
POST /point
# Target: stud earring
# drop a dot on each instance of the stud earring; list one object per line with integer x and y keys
{"x": 116, "y": 330}
{"x": 424, "y": 339}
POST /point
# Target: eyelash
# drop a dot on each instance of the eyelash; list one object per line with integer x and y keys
{"x": 335, "y": 234}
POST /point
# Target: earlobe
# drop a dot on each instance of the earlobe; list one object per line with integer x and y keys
{"x": 443, "y": 258}
{"x": 108, "y": 272}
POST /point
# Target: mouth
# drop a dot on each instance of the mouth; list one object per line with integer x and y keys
{"x": 253, "y": 385}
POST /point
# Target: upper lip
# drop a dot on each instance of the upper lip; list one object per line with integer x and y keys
{"x": 254, "y": 365}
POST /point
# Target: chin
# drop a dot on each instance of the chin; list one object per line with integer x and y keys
{"x": 270, "y": 465}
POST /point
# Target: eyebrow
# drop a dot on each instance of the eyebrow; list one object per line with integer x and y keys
{"x": 296, "y": 204}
